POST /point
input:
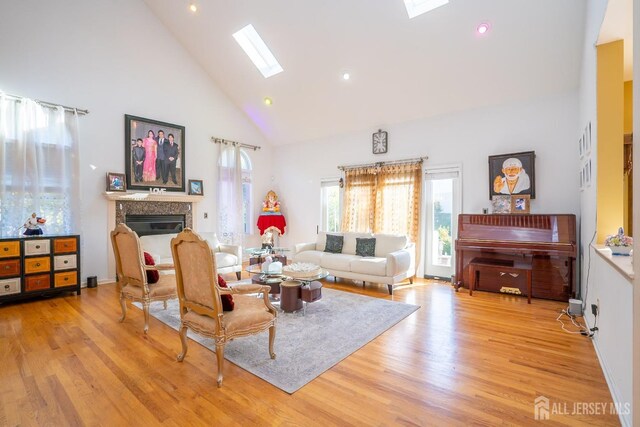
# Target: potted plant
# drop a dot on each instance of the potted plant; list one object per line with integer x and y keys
{"x": 619, "y": 243}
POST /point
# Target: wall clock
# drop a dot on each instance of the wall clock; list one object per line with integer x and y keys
{"x": 380, "y": 141}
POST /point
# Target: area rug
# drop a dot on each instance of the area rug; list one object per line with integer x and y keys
{"x": 305, "y": 346}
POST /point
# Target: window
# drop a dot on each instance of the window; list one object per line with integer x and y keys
{"x": 331, "y": 205}
{"x": 227, "y": 166}
{"x": 247, "y": 217}
{"x": 38, "y": 166}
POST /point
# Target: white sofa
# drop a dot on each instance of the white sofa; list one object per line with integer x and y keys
{"x": 393, "y": 262}
{"x": 228, "y": 257}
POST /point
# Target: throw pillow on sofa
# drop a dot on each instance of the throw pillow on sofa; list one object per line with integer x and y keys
{"x": 366, "y": 247}
{"x": 227, "y": 300}
{"x": 152, "y": 275}
{"x": 334, "y": 244}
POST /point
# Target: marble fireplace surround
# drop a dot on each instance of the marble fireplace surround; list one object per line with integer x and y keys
{"x": 121, "y": 204}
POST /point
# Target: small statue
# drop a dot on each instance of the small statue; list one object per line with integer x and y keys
{"x": 32, "y": 225}
{"x": 271, "y": 203}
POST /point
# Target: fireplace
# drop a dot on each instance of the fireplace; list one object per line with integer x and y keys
{"x": 146, "y": 225}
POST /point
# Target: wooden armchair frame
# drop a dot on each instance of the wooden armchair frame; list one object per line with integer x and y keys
{"x": 201, "y": 256}
{"x": 131, "y": 274}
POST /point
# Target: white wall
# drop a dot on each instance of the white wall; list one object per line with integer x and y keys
{"x": 115, "y": 58}
{"x": 605, "y": 286}
{"x": 546, "y": 126}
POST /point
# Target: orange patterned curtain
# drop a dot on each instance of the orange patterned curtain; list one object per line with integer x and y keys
{"x": 384, "y": 199}
{"x": 398, "y": 200}
{"x": 359, "y": 200}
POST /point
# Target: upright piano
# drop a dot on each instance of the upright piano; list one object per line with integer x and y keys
{"x": 548, "y": 242}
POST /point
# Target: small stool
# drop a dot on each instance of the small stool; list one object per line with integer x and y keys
{"x": 476, "y": 265}
{"x": 310, "y": 292}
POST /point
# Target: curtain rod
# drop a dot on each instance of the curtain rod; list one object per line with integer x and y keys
{"x": 378, "y": 164}
{"x": 48, "y": 104}
{"x": 234, "y": 143}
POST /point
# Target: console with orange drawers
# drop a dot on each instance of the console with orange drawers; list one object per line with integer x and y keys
{"x": 39, "y": 266}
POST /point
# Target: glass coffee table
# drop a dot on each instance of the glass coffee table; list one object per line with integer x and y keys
{"x": 295, "y": 293}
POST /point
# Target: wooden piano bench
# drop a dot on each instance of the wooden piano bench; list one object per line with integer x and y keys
{"x": 502, "y": 266}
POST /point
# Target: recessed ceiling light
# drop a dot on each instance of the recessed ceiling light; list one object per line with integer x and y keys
{"x": 418, "y": 7}
{"x": 346, "y": 76}
{"x": 193, "y": 7}
{"x": 483, "y": 28}
{"x": 257, "y": 50}
{"x": 268, "y": 101}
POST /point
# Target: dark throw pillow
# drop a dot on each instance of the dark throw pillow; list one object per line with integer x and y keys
{"x": 152, "y": 275}
{"x": 366, "y": 246}
{"x": 334, "y": 244}
{"x": 227, "y": 300}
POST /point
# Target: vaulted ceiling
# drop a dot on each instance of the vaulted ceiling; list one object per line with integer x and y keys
{"x": 401, "y": 69}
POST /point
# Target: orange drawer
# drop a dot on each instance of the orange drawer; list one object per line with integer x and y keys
{"x": 68, "y": 278}
{"x": 10, "y": 268}
{"x": 40, "y": 281}
{"x": 61, "y": 246}
{"x": 37, "y": 265}
{"x": 10, "y": 249}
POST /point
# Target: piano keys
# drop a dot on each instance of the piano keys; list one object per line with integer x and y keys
{"x": 548, "y": 242}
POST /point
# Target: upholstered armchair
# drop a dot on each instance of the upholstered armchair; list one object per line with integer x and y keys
{"x": 201, "y": 304}
{"x": 132, "y": 277}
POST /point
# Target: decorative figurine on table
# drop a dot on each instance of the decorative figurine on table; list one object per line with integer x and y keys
{"x": 271, "y": 203}
{"x": 32, "y": 225}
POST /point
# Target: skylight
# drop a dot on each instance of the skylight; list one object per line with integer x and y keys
{"x": 418, "y": 7}
{"x": 250, "y": 41}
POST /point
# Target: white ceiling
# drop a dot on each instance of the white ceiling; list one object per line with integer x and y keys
{"x": 401, "y": 69}
{"x": 618, "y": 25}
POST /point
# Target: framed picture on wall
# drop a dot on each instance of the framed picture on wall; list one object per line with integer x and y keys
{"x": 195, "y": 187}
{"x": 520, "y": 204}
{"x": 154, "y": 154}
{"x": 115, "y": 182}
{"x": 512, "y": 173}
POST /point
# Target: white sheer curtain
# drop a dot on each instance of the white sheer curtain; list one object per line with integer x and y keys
{"x": 39, "y": 166}
{"x": 230, "y": 214}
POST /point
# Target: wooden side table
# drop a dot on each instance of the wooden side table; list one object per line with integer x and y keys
{"x": 290, "y": 296}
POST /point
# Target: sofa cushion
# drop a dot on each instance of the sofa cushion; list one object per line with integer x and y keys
{"x": 212, "y": 239}
{"x": 152, "y": 275}
{"x": 314, "y": 257}
{"x": 340, "y": 262}
{"x": 321, "y": 240}
{"x": 387, "y": 243}
{"x": 370, "y": 266}
{"x": 350, "y": 242}
{"x": 334, "y": 243}
{"x": 227, "y": 300}
{"x": 158, "y": 245}
{"x": 224, "y": 259}
{"x": 365, "y": 246}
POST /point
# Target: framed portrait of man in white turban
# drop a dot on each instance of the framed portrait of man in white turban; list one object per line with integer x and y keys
{"x": 512, "y": 173}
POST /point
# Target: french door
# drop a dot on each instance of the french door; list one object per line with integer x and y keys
{"x": 443, "y": 204}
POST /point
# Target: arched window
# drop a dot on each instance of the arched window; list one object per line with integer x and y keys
{"x": 245, "y": 164}
{"x": 227, "y": 161}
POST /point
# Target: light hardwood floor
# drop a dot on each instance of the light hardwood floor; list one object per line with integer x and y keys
{"x": 458, "y": 360}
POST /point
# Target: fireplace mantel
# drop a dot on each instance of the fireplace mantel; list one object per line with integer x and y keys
{"x": 119, "y": 203}
{"x": 152, "y": 197}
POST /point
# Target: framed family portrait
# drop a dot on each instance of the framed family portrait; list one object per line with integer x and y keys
{"x": 115, "y": 182}
{"x": 512, "y": 173}
{"x": 195, "y": 187}
{"x": 520, "y": 204}
{"x": 154, "y": 154}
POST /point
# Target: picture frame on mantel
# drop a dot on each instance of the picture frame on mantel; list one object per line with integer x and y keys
{"x": 196, "y": 187}
{"x": 512, "y": 173}
{"x": 154, "y": 154}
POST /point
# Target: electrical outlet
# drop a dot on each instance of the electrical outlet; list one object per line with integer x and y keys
{"x": 206, "y": 215}
{"x": 594, "y": 309}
